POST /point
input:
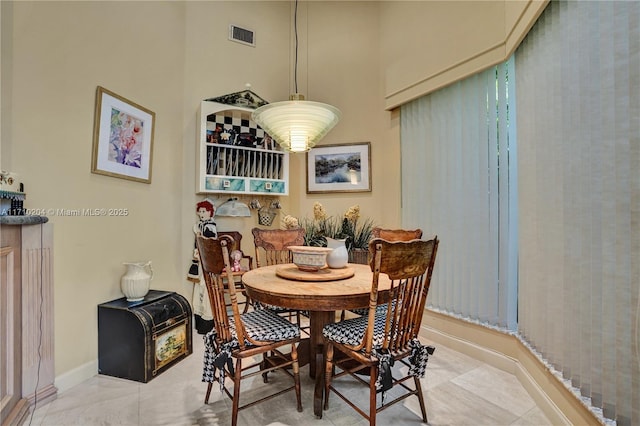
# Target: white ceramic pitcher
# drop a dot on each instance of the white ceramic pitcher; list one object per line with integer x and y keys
{"x": 339, "y": 257}
{"x": 136, "y": 281}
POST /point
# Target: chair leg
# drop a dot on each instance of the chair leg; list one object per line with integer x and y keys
{"x": 236, "y": 392}
{"x": 206, "y": 397}
{"x": 421, "y": 398}
{"x": 328, "y": 369}
{"x": 264, "y": 365}
{"x": 372, "y": 394}
{"x": 246, "y": 301}
{"x": 296, "y": 375}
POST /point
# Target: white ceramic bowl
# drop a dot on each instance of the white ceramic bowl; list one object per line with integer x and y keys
{"x": 310, "y": 259}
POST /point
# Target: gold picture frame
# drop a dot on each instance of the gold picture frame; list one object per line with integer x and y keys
{"x": 122, "y": 138}
{"x": 339, "y": 168}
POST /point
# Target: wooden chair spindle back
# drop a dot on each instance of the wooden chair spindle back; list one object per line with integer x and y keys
{"x": 214, "y": 260}
{"x": 409, "y": 265}
{"x": 272, "y": 245}
{"x": 396, "y": 234}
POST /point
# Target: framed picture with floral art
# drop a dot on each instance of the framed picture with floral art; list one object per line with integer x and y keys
{"x": 122, "y": 138}
{"x": 339, "y": 168}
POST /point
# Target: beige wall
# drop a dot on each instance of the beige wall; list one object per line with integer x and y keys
{"x": 60, "y": 52}
{"x": 344, "y": 69}
{"x": 168, "y": 56}
{"x": 429, "y": 44}
{"x": 215, "y": 66}
{"x": 6, "y": 28}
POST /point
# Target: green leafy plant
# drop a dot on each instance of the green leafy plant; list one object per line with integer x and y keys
{"x": 356, "y": 232}
{"x": 359, "y": 233}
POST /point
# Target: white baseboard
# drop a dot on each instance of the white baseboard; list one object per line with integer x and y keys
{"x": 76, "y": 376}
{"x": 504, "y": 363}
{"x": 507, "y": 353}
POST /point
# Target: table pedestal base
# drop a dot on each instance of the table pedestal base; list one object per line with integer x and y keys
{"x": 321, "y": 301}
{"x": 317, "y": 320}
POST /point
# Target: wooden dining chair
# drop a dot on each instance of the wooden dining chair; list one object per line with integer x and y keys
{"x": 237, "y": 239}
{"x": 246, "y": 264}
{"x": 384, "y": 338}
{"x": 272, "y": 248}
{"x": 396, "y": 234}
{"x": 389, "y": 235}
{"x": 272, "y": 245}
{"x": 241, "y": 337}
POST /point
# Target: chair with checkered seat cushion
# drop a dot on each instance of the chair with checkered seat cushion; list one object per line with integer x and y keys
{"x": 389, "y": 235}
{"x": 385, "y": 337}
{"x": 272, "y": 248}
{"x": 246, "y": 265}
{"x": 241, "y": 337}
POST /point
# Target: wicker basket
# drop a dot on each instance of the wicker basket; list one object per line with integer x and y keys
{"x": 266, "y": 216}
{"x": 358, "y": 255}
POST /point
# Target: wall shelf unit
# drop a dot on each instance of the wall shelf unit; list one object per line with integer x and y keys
{"x": 235, "y": 155}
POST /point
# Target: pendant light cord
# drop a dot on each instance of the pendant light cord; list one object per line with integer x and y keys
{"x": 295, "y": 30}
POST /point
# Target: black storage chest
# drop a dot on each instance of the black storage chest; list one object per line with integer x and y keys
{"x": 139, "y": 340}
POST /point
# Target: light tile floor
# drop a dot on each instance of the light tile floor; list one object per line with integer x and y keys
{"x": 459, "y": 390}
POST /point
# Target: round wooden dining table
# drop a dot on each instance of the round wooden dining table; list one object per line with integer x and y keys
{"x": 321, "y": 293}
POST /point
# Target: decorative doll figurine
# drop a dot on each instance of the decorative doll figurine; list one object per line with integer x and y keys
{"x": 203, "y": 317}
{"x": 236, "y": 256}
{"x": 205, "y": 226}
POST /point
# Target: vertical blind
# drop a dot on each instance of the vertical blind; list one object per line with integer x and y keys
{"x": 578, "y": 82}
{"x": 459, "y": 178}
{"x": 558, "y": 222}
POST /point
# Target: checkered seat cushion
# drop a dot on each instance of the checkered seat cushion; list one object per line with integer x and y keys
{"x": 265, "y": 325}
{"x": 260, "y": 305}
{"x": 361, "y": 311}
{"x": 365, "y": 311}
{"x": 261, "y": 325}
{"x": 351, "y": 331}
{"x": 276, "y": 309}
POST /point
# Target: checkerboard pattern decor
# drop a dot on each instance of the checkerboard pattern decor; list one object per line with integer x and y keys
{"x": 231, "y": 129}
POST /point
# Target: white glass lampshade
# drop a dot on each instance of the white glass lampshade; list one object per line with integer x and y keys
{"x": 296, "y": 125}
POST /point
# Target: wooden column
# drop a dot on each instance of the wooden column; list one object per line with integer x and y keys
{"x": 14, "y": 407}
{"x": 37, "y": 314}
{"x": 26, "y": 316}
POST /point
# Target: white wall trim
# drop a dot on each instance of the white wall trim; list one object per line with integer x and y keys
{"x": 504, "y": 363}
{"x": 506, "y": 352}
{"x": 76, "y": 376}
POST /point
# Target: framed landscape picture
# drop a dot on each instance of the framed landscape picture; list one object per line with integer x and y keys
{"x": 339, "y": 168}
{"x": 122, "y": 138}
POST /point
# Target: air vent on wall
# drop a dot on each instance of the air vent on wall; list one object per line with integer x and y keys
{"x": 242, "y": 35}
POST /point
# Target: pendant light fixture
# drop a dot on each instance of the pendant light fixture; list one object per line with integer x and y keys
{"x": 296, "y": 125}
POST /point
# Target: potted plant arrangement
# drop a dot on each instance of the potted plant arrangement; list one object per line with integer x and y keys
{"x": 349, "y": 227}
